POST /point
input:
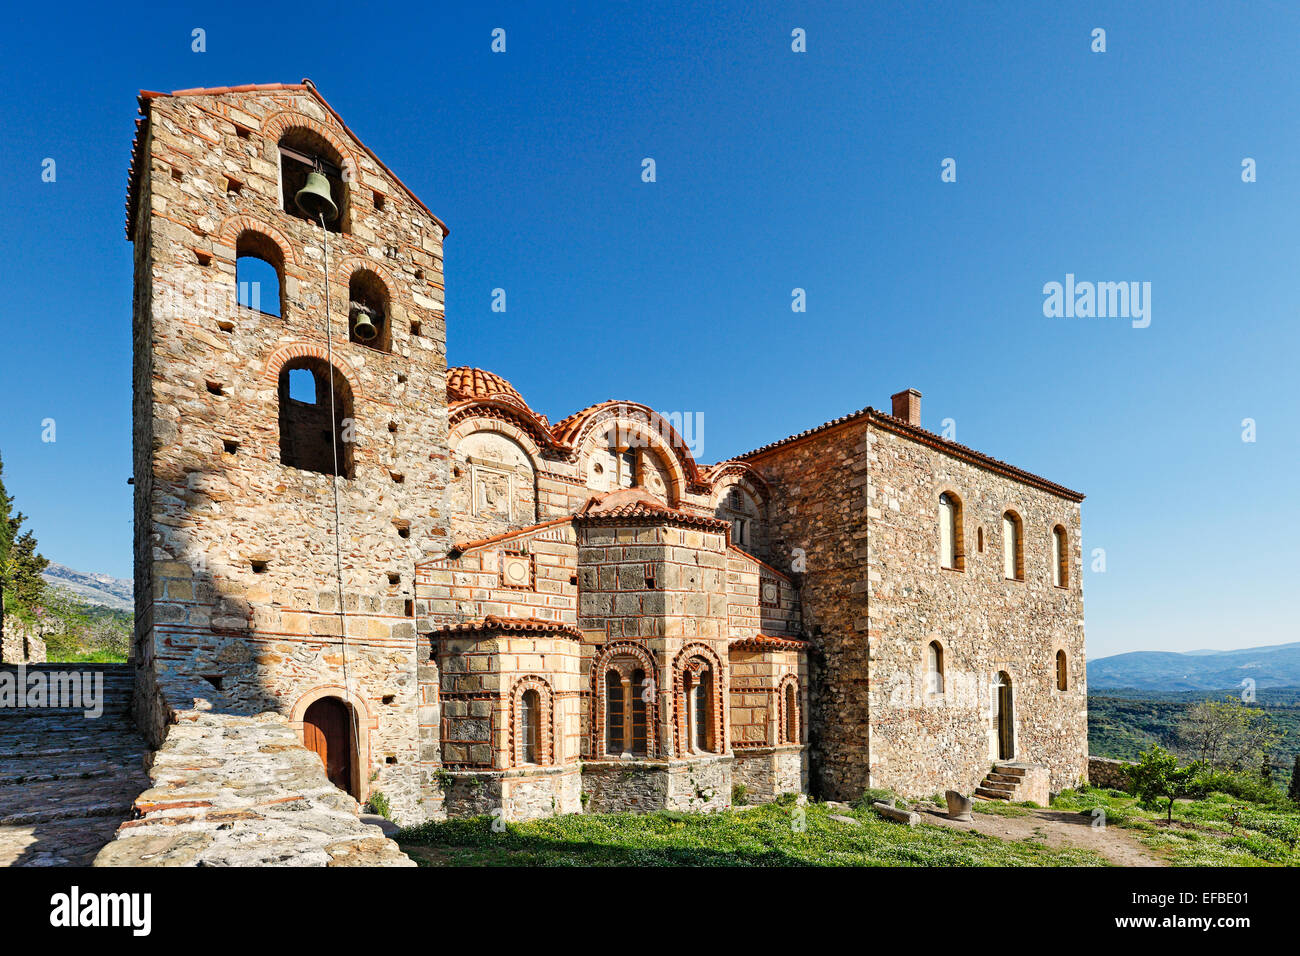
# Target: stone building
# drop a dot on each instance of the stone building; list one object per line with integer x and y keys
{"x": 469, "y": 608}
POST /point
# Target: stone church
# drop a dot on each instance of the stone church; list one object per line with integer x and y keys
{"x": 469, "y": 608}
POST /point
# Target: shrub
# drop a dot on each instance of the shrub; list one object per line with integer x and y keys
{"x": 874, "y": 794}
{"x": 739, "y": 795}
{"x": 1157, "y": 776}
{"x": 378, "y": 803}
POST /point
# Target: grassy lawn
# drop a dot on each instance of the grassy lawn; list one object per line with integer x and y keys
{"x": 763, "y": 836}
{"x": 1218, "y": 830}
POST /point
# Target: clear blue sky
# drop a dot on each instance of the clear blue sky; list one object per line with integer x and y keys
{"x": 775, "y": 170}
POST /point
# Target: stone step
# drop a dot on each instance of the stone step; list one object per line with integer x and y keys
{"x": 14, "y": 773}
{"x": 1008, "y": 769}
{"x": 70, "y": 842}
{"x": 999, "y": 785}
{"x": 46, "y": 748}
{"x": 1004, "y": 778}
{"x": 62, "y": 799}
{"x": 9, "y": 716}
{"x": 991, "y": 794}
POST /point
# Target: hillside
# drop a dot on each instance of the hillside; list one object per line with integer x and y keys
{"x": 1270, "y": 667}
{"x": 98, "y": 589}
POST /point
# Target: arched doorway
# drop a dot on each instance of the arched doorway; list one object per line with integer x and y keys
{"x": 1005, "y": 718}
{"x": 327, "y": 730}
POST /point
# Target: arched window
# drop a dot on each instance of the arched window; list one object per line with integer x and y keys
{"x": 530, "y": 725}
{"x": 368, "y": 321}
{"x": 307, "y": 421}
{"x": 1060, "y": 558}
{"x": 1013, "y": 550}
{"x": 259, "y": 271}
{"x": 1062, "y": 671}
{"x": 952, "y": 552}
{"x": 791, "y": 728}
{"x": 934, "y": 668}
{"x": 303, "y": 152}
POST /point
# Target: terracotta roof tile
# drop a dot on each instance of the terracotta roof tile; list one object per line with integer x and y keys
{"x": 474, "y": 384}
{"x": 523, "y": 624}
{"x": 769, "y": 642}
{"x": 636, "y": 504}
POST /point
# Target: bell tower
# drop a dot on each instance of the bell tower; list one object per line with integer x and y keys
{"x": 290, "y": 424}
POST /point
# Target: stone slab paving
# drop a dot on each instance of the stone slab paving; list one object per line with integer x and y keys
{"x": 68, "y": 781}
{"x": 229, "y": 790}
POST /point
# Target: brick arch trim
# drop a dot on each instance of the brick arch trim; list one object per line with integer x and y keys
{"x": 365, "y": 723}
{"x": 545, "y": 746}
{"x": 232, "y": 227}
{"x": 682, "y": 663}
{"x": 787, "y": 681}
{"x": 286, "y": 353}
{"x": 599, "y": 669}
{"x": 275, "y": 128}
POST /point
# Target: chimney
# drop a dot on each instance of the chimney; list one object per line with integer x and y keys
{"x": 907, "y": 406}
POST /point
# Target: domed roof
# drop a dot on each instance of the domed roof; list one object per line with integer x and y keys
{"x": 474, "y": 384}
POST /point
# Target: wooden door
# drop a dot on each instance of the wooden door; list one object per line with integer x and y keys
{"x": 1006, "y": 741}
{"x": 326, "y": 730}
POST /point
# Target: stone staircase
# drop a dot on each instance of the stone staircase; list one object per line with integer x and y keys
{"x": 67, "y": 781}
{"x": 1003, "y": 782}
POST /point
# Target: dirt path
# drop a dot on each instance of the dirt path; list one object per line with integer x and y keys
{"x": 1056, "y": 828}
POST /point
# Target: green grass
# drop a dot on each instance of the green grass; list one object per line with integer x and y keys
{"x": 1218, "y": 830}
{"x": 765, "y": 836}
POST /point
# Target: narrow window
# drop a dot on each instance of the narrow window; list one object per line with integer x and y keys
{"x": 951, "y": 551}
{"x": 530, "y": 725}
{"x": 791, "y": 714}
{"x": 1013, "y": 553}
{"x": 934, "y": 668}
{"x": 701, "y": 710}
{"x": 1062, "y": 671}
{"x": 639, "y": 688}
{"x": 613, "y": 713}
{"x": 259, "y": 266}
{"x": 1060, "y": 558}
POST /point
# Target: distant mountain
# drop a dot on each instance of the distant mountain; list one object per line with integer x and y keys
{"x": 101, "y": 589}
{"x": 1275, "y": 666}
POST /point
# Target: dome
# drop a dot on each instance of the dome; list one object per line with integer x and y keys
{"x": 474, "y": 384}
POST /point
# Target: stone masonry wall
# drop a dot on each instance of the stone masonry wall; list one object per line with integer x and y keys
{"x": 235, "y": 564}
{"x": 921, "y": 742}
{"x": 818, "y": 530}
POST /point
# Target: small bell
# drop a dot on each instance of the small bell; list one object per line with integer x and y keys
{"x": 314, "y": 198}
{"x": 363, "y": 327}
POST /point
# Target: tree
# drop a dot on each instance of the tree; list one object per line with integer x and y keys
{"x": 1294, "y": 790}
{"x": 21, "y": 584}
{"x": 1227, "y": 735}
{"x": 1157, "y": 776}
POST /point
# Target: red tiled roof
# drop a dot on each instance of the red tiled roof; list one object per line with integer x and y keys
{"x": 461, "y": 547}
{"x": 133, "y": 187}
{"x": 523, "y": 624}
{"x": 474, "y": 384}
{"x": 636, "y": 504}
{"x": 938, "y": 442}
{"x": 769, "y": 642}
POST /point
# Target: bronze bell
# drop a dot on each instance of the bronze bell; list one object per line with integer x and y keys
{"x": 363, "y": 327}
{"x": 314, "y": 198}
